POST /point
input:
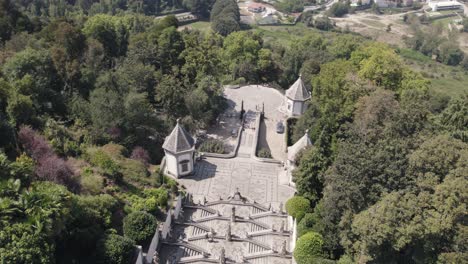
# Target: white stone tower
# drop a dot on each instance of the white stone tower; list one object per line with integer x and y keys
{"x": 296, "y": 97}
{"x": 179, "y": 148}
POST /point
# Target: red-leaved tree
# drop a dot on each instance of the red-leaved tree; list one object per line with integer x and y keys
{"x": 49, "y": 167}
{"x": 34, "y": 144}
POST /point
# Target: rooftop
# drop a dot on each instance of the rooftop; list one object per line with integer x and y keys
{"x": 179, "y": 140}
{"x": 303, "y": 142}
{"x": 298, "y": 91}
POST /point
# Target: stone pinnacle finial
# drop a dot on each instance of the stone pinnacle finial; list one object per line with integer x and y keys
{"x": 307, "y": 132}
{"x": 178, "y": 120}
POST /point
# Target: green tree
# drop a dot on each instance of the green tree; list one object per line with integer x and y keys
{"x": 110, "y": 32}
{"x": 115, "y": 249}
{"x": 33, "y": 73}
{"x": 384, "y": 68}
{"x": 450, "y": 53}
{"x": 339, "y": 9}
{"x": 297, "y": 207}
{"x": 308, "y": 175}
{"x": 308, "y": 248}
{"x": 170, "y": 95}
{"x": 225, "y": 17}
{"x": 307, "y": 224}
{"x": 139, "y": 226}
{"x": 106, "y": 109}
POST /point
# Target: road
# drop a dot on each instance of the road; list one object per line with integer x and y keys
{"x": 317, "y": 7}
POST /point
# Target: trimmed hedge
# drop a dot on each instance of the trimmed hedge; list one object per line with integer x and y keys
{"x": 309, "y": 248}
{"x": 139, "y": 226}
{"x": 297, "y": 207}
{"x": 264, "y": 153}
{"x": 212, "y": 146}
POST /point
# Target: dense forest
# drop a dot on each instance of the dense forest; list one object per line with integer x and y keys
{"x": 90, "y": 89}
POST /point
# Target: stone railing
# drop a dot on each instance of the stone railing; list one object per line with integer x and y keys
{"x": 233, "y": 153}
{"x": 258, "y": 120}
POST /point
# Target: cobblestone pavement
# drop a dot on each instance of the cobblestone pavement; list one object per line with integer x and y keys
{"x": 255, "y": 97}
{"x": 258, "y": 181}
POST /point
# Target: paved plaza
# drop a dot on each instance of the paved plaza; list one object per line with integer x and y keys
{"x": 256, "y": 97}
{"x": 262, "y": 182}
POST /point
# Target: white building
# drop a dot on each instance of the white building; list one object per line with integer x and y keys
{"x": 444, "y": 5}
{"x": 179, "y": 148}
{"x": 296, "y": 97}
{"x": 293, "y": 150}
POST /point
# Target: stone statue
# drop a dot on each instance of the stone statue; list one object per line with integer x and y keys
{"x": 211, "y": 235}
{"x": 281, "y": 208}
{"x": 222, "y": 256}
{"x": 156, "y": 257}
{"x": 281, "y": 230}
{"x": 233, "y": 214}
{"x": 204, "y": 200}
{"x": 228, "y": 233}
{"x": 283, "y": 248}
{"x": 247, "y": 236}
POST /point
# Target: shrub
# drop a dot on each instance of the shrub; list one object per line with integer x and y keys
{"x": 23, "y": 169}
{"x": 115, "y": 151}
{"x": 140, "y": 154}
{"x": 49, "y": 166}
{"x": 135, "y": 171}
{"x": 55, "y": 169}
{"x": 297, "y": 207}
{"x": 161, "y": 196}
{"x": 107, "y": 164}
{"x": 308, "y": 248}
{"x": 306, "y": 224}
{"x": 264, "y": 153}
{"x": 338, "y": 9}
{"x": 91, "y": 183}
{"x": 323, "y": 23}
{"x": 150, "y": 201}
{"x": 139, "y": 226}
{"x": 34, "y": 144}
{"x": 212, "y": 146}
{"x": 115, "y": 249}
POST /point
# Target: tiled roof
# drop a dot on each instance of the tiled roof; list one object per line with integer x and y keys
{"x": 179, "y": 140}
{"x": 298, "y": 146}
{"x": 298, "y": 91}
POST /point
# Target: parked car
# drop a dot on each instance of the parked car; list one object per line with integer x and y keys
{"x": 234, "y": 132}
{"x": 280, "y": 128}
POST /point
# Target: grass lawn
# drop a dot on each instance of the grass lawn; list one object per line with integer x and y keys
{"x": 285, "y": 34}
{"x": 203, "y": 26}
{"x": 373, "y": 23}
{"x": 444, "y": 21}
{"x": 454, "y": 85}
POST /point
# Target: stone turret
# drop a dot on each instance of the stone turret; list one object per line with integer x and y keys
{"x": 179, "y": 148}
{"x": 302, "y": 143}
{"x": 296, "y": 97}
